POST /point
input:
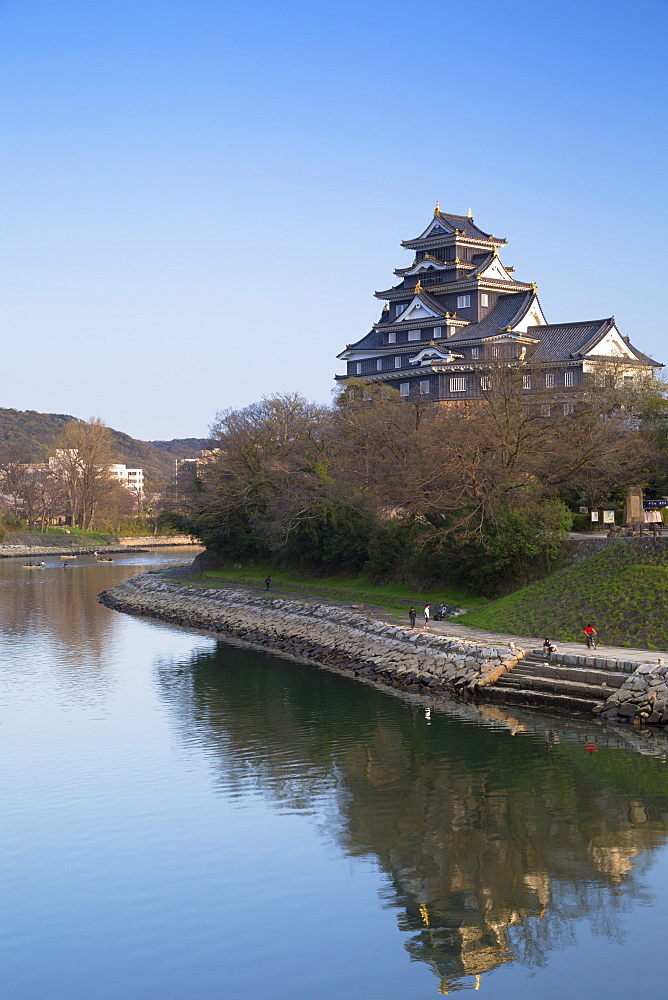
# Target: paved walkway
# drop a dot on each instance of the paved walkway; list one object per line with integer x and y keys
{"x": 577, "y": 648}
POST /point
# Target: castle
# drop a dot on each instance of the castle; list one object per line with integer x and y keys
{"x": 457, "y": 310}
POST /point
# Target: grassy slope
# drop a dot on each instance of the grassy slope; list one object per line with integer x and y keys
{"x": 354, "y": 588}
{"x": 622, "y": 591}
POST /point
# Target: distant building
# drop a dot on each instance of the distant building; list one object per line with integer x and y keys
{"x": 132, "y": 479}
{"x": 457, "y": 309}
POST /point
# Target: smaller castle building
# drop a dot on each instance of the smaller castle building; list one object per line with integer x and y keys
{"x": 457, "y": 310}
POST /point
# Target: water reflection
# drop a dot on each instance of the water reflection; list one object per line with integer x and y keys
{"x": 493, "y": 845}
{"x": 53, "y": 611}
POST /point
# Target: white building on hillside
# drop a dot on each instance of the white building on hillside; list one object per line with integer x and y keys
{"x": 132, "y": 479}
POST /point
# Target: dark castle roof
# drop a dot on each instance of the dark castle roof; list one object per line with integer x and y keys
{"x": 565, "y": 341}
{"x": 561, "y": 341}
{"x": 464, "y": 222}
{"x": 508, "y": 311}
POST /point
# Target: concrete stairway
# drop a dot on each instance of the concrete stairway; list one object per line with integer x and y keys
{"x": 543, "y": 683}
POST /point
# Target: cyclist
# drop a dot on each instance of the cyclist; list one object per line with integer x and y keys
{"x": 590, "y": 636}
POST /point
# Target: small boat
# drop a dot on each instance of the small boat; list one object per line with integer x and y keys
{"x": 34, "y": 566}
{"x": 105, "y": 560}
{"x": 68, "y": 557}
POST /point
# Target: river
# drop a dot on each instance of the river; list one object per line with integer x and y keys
{"x": 187, "y": 819}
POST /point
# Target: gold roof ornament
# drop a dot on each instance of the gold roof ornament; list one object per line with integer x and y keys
{"x": 386, "y": 308}
{"x": 469, "y": 214}
{"x": 534, "y": 287}
{"x": 418, "y": 288}
{"x": 437, "y": 209}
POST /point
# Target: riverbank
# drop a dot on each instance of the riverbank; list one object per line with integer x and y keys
{"x": 337, "y": 637}
{"x": 66, "y": 545}
{"x": 430, "y": 664}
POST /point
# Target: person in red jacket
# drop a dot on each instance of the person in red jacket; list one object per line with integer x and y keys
{"x": 590, "y": 636}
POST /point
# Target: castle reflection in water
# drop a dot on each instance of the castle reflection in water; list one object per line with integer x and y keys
{"x": 495, "y": 842}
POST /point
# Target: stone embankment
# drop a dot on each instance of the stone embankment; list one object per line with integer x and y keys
{"x": 642, "y": 698}
{"x": 157, "y": 541}
{"x": 27, "y": 545}
{"x": 33, "y": 551}
{"x": 634, "y": 691}
{"x": 336, "y": 637}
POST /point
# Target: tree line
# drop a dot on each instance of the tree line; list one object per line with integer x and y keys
{"x": 478, "y": 493}
{"x": 76, "y": 483}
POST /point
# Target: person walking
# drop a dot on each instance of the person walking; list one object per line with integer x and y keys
{"x": 267, "y": 583}
{"x": 412, "y": 616}
{"x": 590, "y": 636}
{"x": 427, "y": 616}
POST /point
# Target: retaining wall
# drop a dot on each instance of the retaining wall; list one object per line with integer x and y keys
{"x": 154, "y": 541}
{"x": 373, "y": 650}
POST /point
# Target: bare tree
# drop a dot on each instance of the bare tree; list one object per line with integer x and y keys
{"x": 83, "y": 454}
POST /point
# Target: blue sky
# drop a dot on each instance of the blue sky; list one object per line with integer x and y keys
{"x": 199, "y": 198}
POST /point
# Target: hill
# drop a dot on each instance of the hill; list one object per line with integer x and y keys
{"x": 622, "y": 591}
{"x": 27, "y": 436}
{"x": 183, "y": 447}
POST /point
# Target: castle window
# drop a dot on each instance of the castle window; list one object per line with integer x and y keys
{"x": 568, "y": 378}
{"x": 485, "y": 383}
{"x": 526, "y": 381}
{"x": 399, "y": 308}
{"x": 484, "y": 299}
{"x": 424, "y": 388}
{"x": 437, "y": 332}
{"x": 549, "y": 381}
{"x": 458, "y": 385}
{"x": 463, "y": 301}
{"x": 392, "y": 337}
{"x": 496, "y": 351}
{"x": 379, "y": 364}
{"x": 475, "y": 353}
{"x": 397, "y": 362}
{"x": 358, "y": 368}
{"x": 405, "y": 388}
{"x": 414, "y": 334}
{"x": 568, "y": 409}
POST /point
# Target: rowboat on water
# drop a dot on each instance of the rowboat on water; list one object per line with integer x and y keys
{"x": 68, "y": 557}
{"x": 34, "y": 566}
{"x": 105, "y": 560}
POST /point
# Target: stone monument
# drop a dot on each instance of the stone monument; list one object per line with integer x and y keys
{"x": 634, "y": 512}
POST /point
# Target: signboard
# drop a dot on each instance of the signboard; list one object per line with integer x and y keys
{"x": 594, "y": 515}
{"x": 653, "y": 504}
{"x": 584, "y": 510}
{"x": 608, "y": 517}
